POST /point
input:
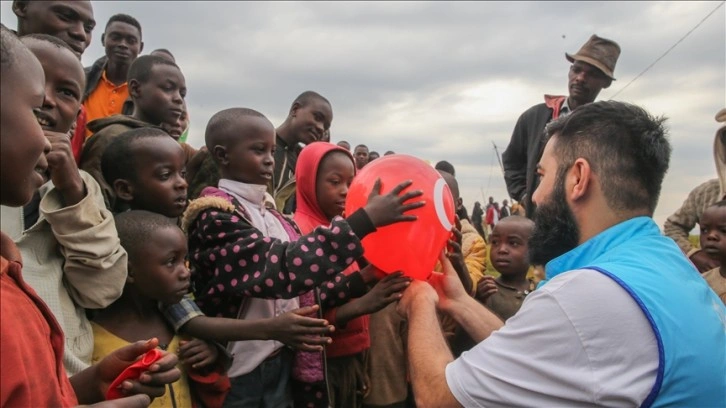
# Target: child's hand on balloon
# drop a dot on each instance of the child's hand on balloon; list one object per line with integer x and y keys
{"x": 391, "y": 208}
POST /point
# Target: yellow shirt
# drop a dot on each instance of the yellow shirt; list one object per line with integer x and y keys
{"x": 106, "y": 100}
{"x": 105, "y": 343}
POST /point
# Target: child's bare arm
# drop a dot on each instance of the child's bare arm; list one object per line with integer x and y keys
{"x": 386, "y": 291}
{"x": 294, "y": 329}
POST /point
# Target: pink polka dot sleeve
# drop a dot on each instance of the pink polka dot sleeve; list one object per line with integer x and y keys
{"x": 231, "y": 259}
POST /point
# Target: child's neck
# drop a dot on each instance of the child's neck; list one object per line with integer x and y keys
{"x": 139, "y": 115}
{"x": 117, "y": 73}
{"x": 133, "y": 305}
{"x": 518, "y": 281}
{"x": 284, "y": 132}
{"x": 134, "y": 317}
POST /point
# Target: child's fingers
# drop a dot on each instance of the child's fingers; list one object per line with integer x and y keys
{"x": 409, "y": 195}
{"x": 304, "y": 311}
{"x": 397, "y": 190}
{"x": 196, "y": 358}
{"x": 412, "y": 206}
{"x": 376, "y": 188}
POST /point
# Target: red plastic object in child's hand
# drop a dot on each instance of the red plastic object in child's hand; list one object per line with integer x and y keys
{"x": 410, "y": 247}
{"x": 133, "y": 372}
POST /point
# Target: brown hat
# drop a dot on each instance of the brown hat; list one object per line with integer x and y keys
{"x": 600, "y": 53}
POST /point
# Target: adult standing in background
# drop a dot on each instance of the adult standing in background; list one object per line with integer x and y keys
{"x": 107, "y": 91}
{"x": 591, "y": 71}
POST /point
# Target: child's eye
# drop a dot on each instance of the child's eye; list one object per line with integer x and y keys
{"x": 164, "y": 176}
{"x": 69, "y": 93}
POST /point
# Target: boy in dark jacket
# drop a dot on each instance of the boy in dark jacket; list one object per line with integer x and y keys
{"x": 158, "y": 88}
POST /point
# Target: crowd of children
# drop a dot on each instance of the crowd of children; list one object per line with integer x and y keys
{"x": 257, "y": 290}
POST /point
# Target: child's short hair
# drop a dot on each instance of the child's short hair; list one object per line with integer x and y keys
{"x": 361, "y": 145}
{"x": 308, "y": 96}
{"x": 119, "y": 160}
{"x": 136, "y": 226}
{"x": 49, "y": 38}
{"x": 140, "y": 69}
{"x": 8, "y": 44}
{"x": 222, "y": 120}
{"x": 124, "y": 18}
{"x": 443, "y": 165}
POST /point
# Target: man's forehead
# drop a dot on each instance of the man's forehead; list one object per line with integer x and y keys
{"x": 582, "y": 65}
{"x": 82, "y": 7}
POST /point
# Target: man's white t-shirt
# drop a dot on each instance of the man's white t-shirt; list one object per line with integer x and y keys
{"x": 579, "y": 340}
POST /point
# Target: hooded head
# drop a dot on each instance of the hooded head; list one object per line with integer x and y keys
{"x": 309, "y": 213}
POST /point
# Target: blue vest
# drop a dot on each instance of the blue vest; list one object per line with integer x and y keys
{"x": 687, "y": 317}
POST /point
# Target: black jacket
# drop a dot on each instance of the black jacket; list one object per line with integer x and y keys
{"x": 525, "y": 149}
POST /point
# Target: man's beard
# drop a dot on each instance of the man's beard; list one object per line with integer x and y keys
{"x": 555, "y": 229}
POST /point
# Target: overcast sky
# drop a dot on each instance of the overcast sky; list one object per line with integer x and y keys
{"x": 439, "y": 80}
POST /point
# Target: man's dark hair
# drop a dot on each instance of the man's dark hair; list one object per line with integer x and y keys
{"x": 120, "y": 159}
{"x": 8, "y": 44}
{"x": 443, "y": 165}
{"x": 124, "y": 18}
{"x": 135, "y": 228}
{"x": 49, "y": 38}
{"x": 625, "y": 146}
{"x": 308, "y": 96}
{"x": 360, "y": 145}
{"x": 140, "y": 69}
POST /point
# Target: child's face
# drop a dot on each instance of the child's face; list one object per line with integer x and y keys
{"x": 159, "y": 271}
{"x": 64, "y": 83}
{"x": 713, "y": 232}
{"x": 250, "y": 158}
{"x": 160, "y": 185}
{"x": 161, "y": 97}
{"x": 361, "y": 156}
{"x": 509, "y": 246}
{"x": 335, "y": 174}
{"x": 22, "y": 142}
{"x": 312, "y": 120}
{"x": 176, "y": 129}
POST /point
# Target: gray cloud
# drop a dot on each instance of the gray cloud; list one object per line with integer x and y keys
{"x": 439, "y": 80}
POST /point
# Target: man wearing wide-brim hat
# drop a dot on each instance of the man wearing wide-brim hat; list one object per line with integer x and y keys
{"x": 591, "y": 71}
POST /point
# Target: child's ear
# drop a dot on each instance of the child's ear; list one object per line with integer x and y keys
{"x": 124, "y": 190}
{"x": 220, "y": 153}
{"x": 295, "y": 107}
{"x": 20, "y": 8}
{"x": 103, "y": 39}
{"x": 134, "y": 88}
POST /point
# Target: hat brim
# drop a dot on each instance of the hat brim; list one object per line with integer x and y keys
{"x": 594, "y": 63}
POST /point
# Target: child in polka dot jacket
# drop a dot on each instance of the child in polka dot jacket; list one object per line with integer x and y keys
{"x": 247, "y": 260}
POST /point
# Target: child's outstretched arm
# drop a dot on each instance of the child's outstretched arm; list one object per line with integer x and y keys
{"x": 232, "y": 259}
{"x": 293, "y": 328}
{"x": 386, "y": 291}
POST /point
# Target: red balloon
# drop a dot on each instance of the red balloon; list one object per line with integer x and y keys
{"x": 410, "y": 247}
